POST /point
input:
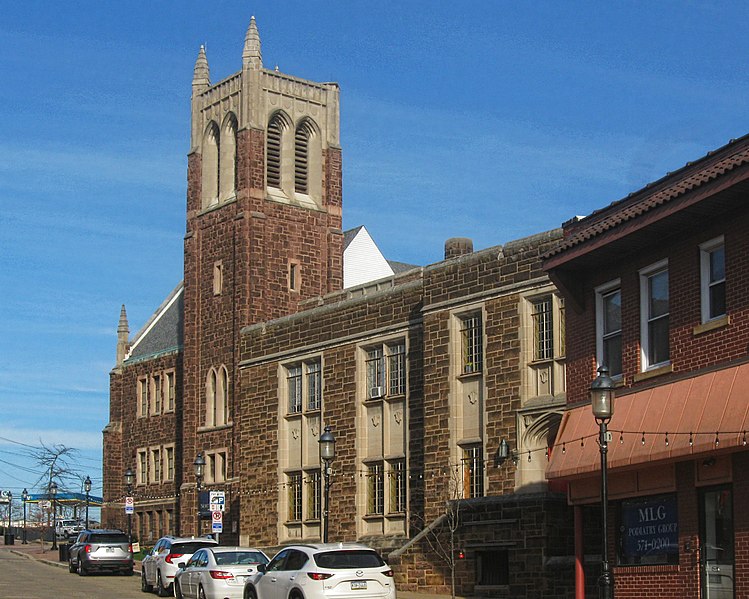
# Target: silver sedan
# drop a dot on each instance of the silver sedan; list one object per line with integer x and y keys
{"x": 217, "y": 572}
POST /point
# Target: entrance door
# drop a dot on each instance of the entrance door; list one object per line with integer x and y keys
{"x": 716, "y": 543}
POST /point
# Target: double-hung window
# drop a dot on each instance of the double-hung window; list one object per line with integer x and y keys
{"x": 543, "y": 329}
{"x": 294, "y": 482}
{"x": 473, "y": 471}
{"x": 609, "y": 326}
{"x": 713, "y": 279}
{"x": 294, "y": 381}
{"x": 386, "y": 370}
{"x": 472, "y": 344}
{"x": 375, "y": 489}
{"x": 654, "y": 314}
{"x": 304, "y": 386}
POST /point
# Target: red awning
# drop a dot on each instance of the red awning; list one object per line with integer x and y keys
{"x": 709, "y": 406}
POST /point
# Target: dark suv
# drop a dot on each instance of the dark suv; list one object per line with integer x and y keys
{"x": 101, "y": 551}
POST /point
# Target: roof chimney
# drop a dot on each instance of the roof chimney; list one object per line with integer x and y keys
{"x": 458, "y": 246}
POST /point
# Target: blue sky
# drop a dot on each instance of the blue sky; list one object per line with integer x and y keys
{"x": 490, "y": 119}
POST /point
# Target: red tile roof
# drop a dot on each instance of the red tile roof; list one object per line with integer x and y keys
{"x": 674, "y": 185}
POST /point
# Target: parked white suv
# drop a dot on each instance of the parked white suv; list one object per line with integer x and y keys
{"x": 323, "y": 571}
{"x": 161, "y": 564}
{"x": 68, "y": 528}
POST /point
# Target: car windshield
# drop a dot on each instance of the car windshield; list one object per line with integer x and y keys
{"x": 109, "y": 538}
{"x": 237, "y": 558}
{"x": 341, "y": 560}
{"x": 189, "y": 548}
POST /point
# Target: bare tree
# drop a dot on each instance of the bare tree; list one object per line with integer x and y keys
{"x": 441, "y": 534}
{"x": 56, "y": 463}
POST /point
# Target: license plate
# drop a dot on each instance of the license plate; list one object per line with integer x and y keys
{"x": 358, "y": 585}
{"x": 110, "y": 549}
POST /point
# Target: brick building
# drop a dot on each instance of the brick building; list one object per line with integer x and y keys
{"x": 655, "y": 287}
{"x": 420, "y": 375}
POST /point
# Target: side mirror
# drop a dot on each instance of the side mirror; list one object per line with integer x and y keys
{"x": 261, "y": 568}
{"x": 182, "y": 565}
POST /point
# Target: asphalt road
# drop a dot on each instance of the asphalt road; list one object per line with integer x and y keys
{"x": 24, "y": 578}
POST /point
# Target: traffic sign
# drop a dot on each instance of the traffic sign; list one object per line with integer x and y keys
{"x": 129, "y": 505}
{"x": 217, "y": 524}
{"x": 218, "y": 501}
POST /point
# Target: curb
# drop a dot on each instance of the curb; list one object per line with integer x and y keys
{"x": 40, "y": 559}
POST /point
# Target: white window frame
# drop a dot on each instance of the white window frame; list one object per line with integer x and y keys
{"x": 601, "y": 292}
{"x": 645, "y": 275}
{"x": 706, "y": 249}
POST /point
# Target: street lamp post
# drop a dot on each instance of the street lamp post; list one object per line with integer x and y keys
{"x": 10, "y": 511}
{"x": 199, "y": 465}
{"x": 53, "y": 492}
{"x": 327, "y": 454}
{"x": 87, "y": 488}
{"x": 25, "y": 498}
{"x": 602, "y": 404}
{"x": 129, "y": 480}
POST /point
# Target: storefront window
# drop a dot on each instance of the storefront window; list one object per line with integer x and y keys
{"x": 649, "y": 531}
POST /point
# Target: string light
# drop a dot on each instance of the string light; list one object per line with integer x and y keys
{"x": 643, "y": 437}
{"x": 564, "y": 448}
{"x": 743, "y": 441}
{"x": 666, "y": 439}
{"x": 717, "y": 441}
{"x": 691, "y": 440}
{"x": 621, "y": 438}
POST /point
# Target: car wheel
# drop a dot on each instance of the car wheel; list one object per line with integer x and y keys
{"x": 161, "y": 591}
{"x": 250, "y": 593}
{"x": 81, "y": 568}
{"x": 177, "y": 590}
{"x": 71, "y": 567}
{"x": 144, "y": 586}
{"x": 201, "y": 592}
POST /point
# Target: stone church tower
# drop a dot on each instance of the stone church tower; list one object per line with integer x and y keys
{"x": 263, "y": 233}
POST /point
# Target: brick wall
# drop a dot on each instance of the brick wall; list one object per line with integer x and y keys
{"x": 688, "y": 351}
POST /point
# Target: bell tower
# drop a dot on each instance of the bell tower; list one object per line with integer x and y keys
{"x": 264, "y": 211}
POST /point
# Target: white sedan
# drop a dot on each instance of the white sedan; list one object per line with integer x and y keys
{"x": 217, "y": 572}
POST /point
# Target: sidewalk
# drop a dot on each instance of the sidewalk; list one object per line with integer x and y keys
{"x": 35, "y": 550}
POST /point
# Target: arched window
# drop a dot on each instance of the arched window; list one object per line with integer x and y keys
{"x": 273, "y": 152}
{"x": 210, "y": 398}
{"x": 222, "y": 397}
{"x": 228, "y": 159}
{"x": 301, "y": 165}
{"x": 279, "y": 154}
{"x": 308, "y": 160}
{"x": 209, "y": 177}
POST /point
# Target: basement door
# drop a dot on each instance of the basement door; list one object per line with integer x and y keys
{"x": 716, "y": 543}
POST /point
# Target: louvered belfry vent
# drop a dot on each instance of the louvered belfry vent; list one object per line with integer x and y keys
{"x": 301, "y": 162}
{"x": 273, "y": 159}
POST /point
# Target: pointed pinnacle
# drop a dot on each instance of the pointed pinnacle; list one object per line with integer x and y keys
{"x": 123, "y": 327}
{"x": 201, "y": 74}
{"x": 251, "y": 55}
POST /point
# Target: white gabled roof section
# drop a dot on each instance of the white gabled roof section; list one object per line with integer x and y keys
{"x": 363, "y": 261}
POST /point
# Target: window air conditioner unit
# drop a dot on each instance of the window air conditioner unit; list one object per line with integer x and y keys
{"x": 375, "y": 392}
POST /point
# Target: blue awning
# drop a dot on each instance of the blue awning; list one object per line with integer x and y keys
{"x": 67, "y": 498}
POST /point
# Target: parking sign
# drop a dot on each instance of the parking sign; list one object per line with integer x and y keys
{"x": 129, "y": 505}
{"x": 218, "y": 501}
{"x": 217, "y": 521}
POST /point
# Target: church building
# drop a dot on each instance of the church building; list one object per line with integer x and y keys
{"x": 443, "y": 385}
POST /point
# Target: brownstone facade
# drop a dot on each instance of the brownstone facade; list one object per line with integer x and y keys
{"x": 419, "y": 376}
